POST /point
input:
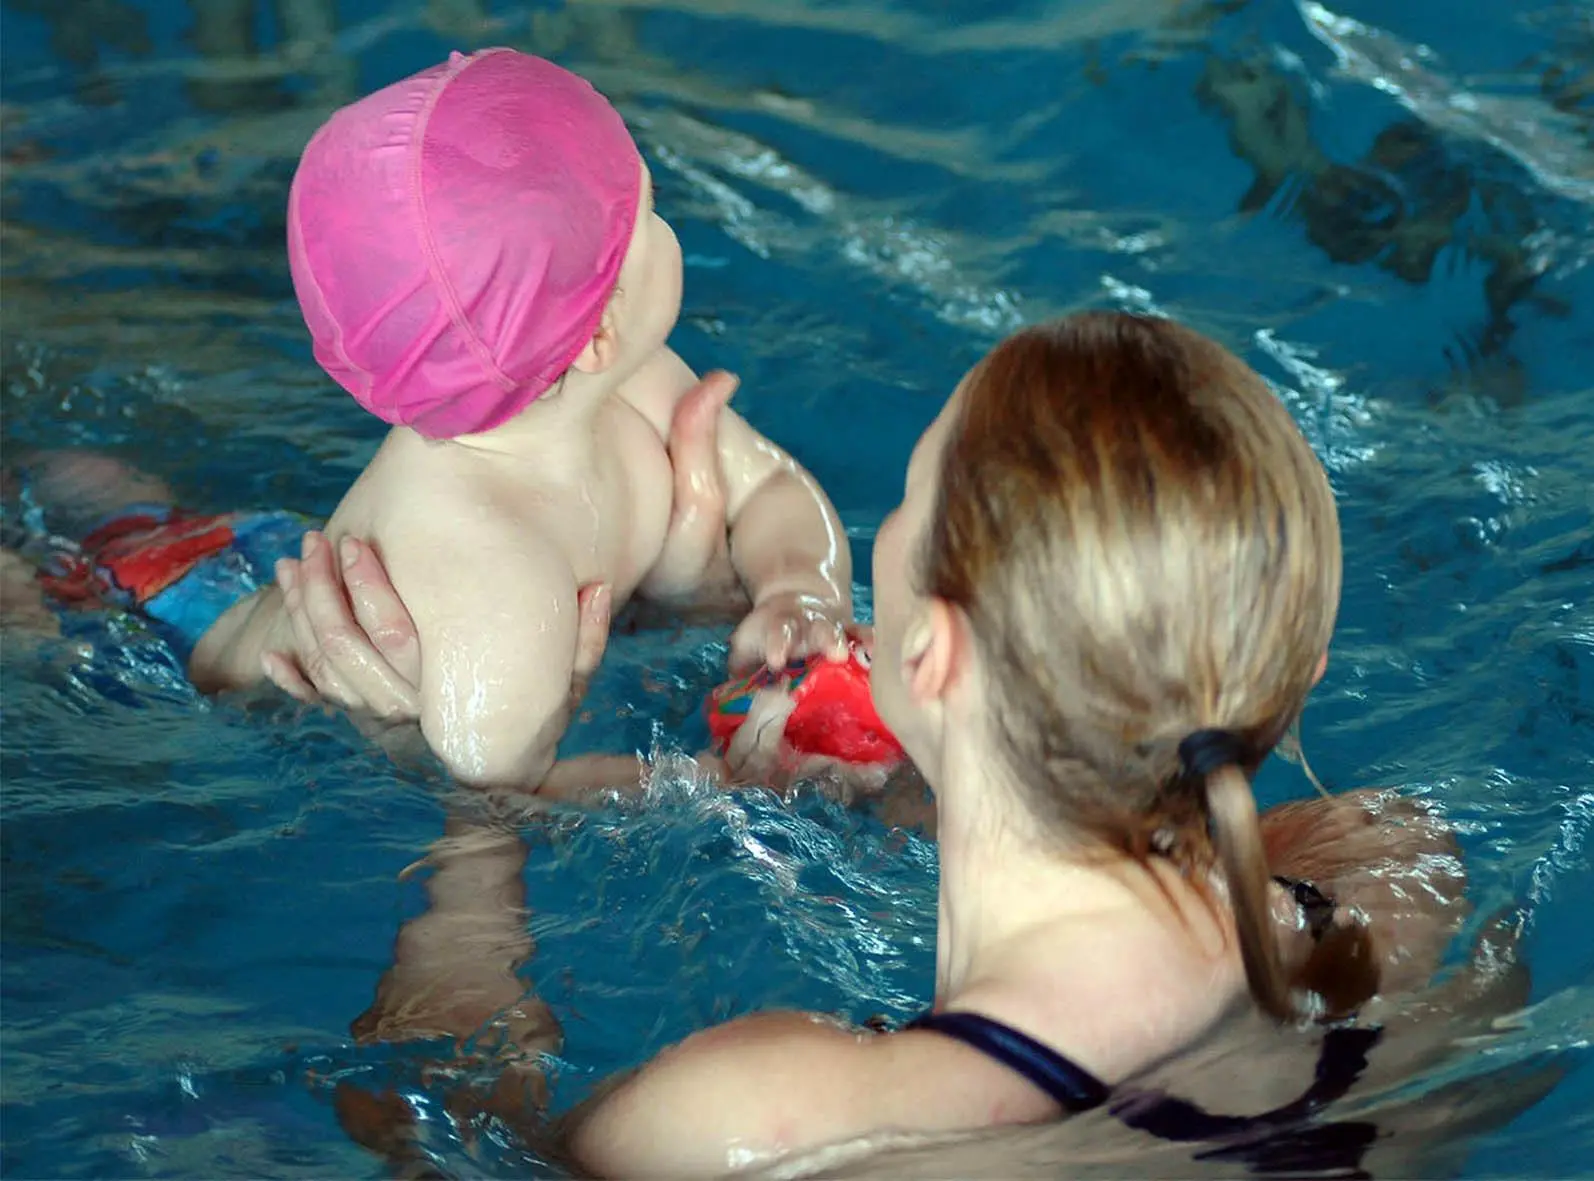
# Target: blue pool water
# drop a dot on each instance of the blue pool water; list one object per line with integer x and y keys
{"x": 1384, "y": 206}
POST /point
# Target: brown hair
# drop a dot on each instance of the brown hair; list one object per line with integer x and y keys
{"x": 1145, "y": 546}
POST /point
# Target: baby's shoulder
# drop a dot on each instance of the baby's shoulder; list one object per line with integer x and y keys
{"x": 452, "y": 527}
{"x": 462, "y": 528}
{"x": 469, "y": 568}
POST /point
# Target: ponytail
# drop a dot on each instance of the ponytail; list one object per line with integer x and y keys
{"x": 1237, "y": 837}
{"x": 1341, "y": 970}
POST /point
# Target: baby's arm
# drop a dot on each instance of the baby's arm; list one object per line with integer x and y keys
{"x": 786, "y": 541}
{"x": 788, "y": 547}
{"x": 352, "y": 642}
{"x": 228, "y": 655}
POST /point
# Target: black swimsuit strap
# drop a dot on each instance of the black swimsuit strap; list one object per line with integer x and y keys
{"x": 1071, "y": 1086}
{"x": 1283, "y": 1140}
{"x": 1339, "y": 1064}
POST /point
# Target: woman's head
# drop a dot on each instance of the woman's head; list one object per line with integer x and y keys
{"x": 1114, "y": 537}
{"x": 457, "y": 239}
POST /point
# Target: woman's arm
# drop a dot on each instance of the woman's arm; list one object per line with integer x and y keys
{"x": 775, "y": 1084}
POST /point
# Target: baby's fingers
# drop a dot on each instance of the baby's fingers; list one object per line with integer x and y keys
{"x": 749, "y": 644}
{"x": 781, "y": 641}
{"x": 825, "y": 637}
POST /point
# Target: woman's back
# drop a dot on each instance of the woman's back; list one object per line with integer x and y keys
{"x": 1246, "y": 1094}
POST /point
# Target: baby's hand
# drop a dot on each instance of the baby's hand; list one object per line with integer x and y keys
{"x": 786, "y": 627}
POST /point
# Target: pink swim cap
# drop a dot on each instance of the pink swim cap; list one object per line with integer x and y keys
{"x": 454, "y": 237}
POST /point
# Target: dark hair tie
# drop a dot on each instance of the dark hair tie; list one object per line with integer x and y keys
{"x": 1205, "y": 751}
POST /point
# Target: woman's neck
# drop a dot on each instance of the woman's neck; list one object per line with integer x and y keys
{"x": 1001, "y": 884}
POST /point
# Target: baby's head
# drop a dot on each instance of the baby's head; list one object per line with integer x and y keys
{"x": 1120, "y": 533}
{"x": 461, "y": 239}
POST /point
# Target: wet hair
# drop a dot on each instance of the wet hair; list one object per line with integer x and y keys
{"x": 1146, "y": 549}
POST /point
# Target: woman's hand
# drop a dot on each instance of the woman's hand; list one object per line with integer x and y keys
{"x": 759, "y": 755}
{"x": 355, "y": 645}
{"x": 695, "y": 559}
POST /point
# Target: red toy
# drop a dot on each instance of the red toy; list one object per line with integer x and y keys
{"x": 833, "y": 714}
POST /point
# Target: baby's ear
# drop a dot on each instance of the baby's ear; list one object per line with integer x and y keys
{"x": 604, "y": 346}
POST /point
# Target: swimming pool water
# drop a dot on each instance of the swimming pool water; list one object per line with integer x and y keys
{"x": 1384, "y": 207}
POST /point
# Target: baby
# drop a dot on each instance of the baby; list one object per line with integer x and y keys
{"x": 476, "y": 254}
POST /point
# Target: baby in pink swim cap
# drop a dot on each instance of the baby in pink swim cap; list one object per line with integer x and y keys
{"x": 476, "y": 255}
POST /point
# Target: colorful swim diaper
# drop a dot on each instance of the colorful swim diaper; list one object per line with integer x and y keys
{"x": 180, "y": 569}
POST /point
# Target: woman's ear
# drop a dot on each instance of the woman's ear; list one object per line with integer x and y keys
{"x": 933, "y": 651}
{"x": 601, "y": 351}
{"x": 1322, "y": 667}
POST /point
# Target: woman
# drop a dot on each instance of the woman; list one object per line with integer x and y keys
{"x": 1104, "y": 599}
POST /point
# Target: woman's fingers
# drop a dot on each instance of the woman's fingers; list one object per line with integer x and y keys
{"x": 694, "y": 444}
{"x": 696, "y": 538}
{"x": 756, "y": 748}
{"x": 594, "y": 607}
{"x": 379, "y": 610}
{"x": 335, "y": 653}
{"x": 285, "y": 675}
{"x": 308, "y": 650}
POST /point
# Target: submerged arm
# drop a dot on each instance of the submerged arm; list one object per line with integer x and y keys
{"x": 776, "y": 1085}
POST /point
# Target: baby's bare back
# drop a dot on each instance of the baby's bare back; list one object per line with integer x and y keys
{"x": 488, "y": 549}
{"x": 604, "y": 513}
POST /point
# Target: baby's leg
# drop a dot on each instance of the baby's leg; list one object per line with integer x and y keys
{"x": 455, "y": 974}
{"x": 22, "y": 607}
{"x": 455, "y": 968}
{"x": 77, "y": 490}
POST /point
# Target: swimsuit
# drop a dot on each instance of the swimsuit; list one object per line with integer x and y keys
{"x": 180, "y": 569}
{"x": 1277, "y": 1141}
